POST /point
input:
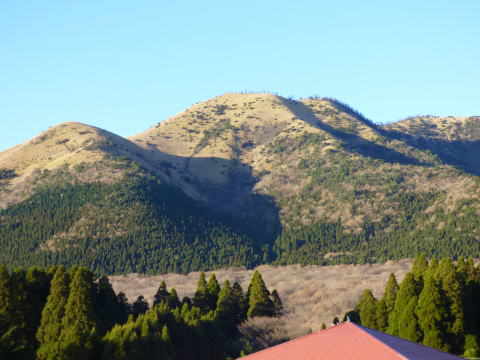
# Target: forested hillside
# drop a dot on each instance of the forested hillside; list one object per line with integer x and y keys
{"x": 139, "y": 225}
{"x": 243, "y": 179}
{"x": 435, "y": 304}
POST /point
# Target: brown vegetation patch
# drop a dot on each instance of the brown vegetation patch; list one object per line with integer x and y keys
{"x": 312, "y": 295}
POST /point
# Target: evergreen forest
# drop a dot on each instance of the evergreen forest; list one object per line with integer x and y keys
{"x": 138, "y": 225}
{"x": 436, "y": 304}
{"x": 66, "y": 313}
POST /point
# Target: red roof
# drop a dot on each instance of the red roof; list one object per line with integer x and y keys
{"x": 349, "y": 341}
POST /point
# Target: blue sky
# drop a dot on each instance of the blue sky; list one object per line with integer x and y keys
{"x": 126, "y": 65}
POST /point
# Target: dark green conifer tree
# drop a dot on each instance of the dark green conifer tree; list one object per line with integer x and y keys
{"x": 79, "y": 326}
{"x": 200, "y": 298}
{"x": 38, "y": 287}
{"x": 125, "y": 307}
{"x": 444, "y": 267}
{"x": 408, "y": 289}
{"x": 432, "y": 313}
{"x": 48, "y": 333}
{"x": 213, "y": 290}
{"x": 367, "y": 309}
{"x": 277, "y": 303}
{"x": 259, "y": 302}
{"x": 21, "y": 329}
{"x": 420, "y": 265}
{"x": 241, "y": 302}
{"x": 454, "y": 289}
{"x": 381, "y": 316}
{"x": 140, "y": 306}
{"x": 390, "y": 295}
{"x": 408, "y": 322}
{"x": 161, "y": 295}
{"x": 226, "y": 306}
{"x": 173, "y": 300}
{"x": 107, "y": 307}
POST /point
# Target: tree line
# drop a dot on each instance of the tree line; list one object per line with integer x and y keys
{"x": 58, "y": 313}
{"x": 435, "y": 305}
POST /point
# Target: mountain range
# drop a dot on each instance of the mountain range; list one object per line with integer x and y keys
{"x": 240, "y": 180}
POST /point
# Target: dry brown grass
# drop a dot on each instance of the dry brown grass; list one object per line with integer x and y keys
{"x": 68, "y": 146}
{"x": 445, "y": 127}
{"x": 256, "y": 118}
{"x": 62, "y": 146}
{"x": 312, "y": 295}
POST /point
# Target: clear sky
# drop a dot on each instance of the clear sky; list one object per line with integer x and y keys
{"x": 126, "y": 65}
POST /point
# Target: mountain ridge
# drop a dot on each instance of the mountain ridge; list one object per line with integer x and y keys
{"x": 307, "y": 181}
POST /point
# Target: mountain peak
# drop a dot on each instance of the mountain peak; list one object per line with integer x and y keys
{"x": 86, "y": 153}
{"x": 52, "y": 147}
{"x": 449, "y": 128}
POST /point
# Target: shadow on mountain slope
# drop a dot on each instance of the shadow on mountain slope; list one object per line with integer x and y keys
{"x": 461, "y": 154}
{"x": 351, "y": 142}
{"x": 457, "y": 153}
{"x": 234, "y": 200}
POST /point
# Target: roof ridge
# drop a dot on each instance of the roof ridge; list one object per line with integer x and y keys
{"x": 363, "y": 329}
{"x": 402, "y": 339}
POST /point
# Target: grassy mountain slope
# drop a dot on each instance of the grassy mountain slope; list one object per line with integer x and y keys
{"x": 80, "y": 195}
{"x": 87, "y": 153}
{"x": 339, "y": 187}
{"x": 243, "y": 179}
{"x": 454, "y": 140}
